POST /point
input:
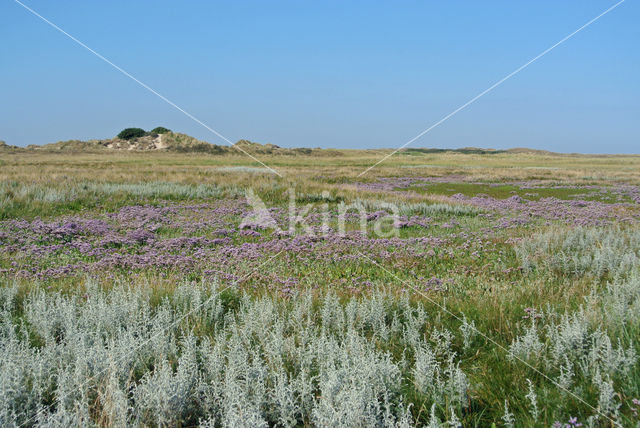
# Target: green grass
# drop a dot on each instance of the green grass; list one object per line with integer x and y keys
{"x": 487, "y": 285}
{"x": 505, "y": 191}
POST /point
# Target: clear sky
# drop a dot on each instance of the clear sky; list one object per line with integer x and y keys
{"x": 356, "y": 74}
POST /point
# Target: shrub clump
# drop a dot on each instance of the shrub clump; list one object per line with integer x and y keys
{"x": 130, "y": 133}
{"x": 159, "y": 130}
{"x": 265, "y": 362}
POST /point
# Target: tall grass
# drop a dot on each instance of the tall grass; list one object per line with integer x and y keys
{"x": 28, "y": 200}
{"x": 421, "y": 208}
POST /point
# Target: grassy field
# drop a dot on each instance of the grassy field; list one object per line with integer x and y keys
{"x": 437, "y": 289}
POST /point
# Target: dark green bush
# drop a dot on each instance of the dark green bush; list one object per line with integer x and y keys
{"x": 159, "y": 130}
{"x": 129, "y": 133}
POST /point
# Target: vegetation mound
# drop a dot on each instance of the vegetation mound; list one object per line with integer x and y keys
{"x": 131, "y": 133}
{"x": 160, "y": 130}
{"x": 163, "y": 139}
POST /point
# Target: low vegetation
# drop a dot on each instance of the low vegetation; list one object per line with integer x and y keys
{"x": 131, "y": 133}
{"x": 159, "y": 130}
{"x": 134, "y": 291}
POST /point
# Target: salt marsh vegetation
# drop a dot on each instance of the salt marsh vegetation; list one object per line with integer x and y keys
{"x": 132, "y": 293}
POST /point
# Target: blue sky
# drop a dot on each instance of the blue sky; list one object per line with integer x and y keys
{"x": 355, "y": 74}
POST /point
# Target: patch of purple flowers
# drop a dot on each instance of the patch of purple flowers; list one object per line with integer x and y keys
{"x": 572, "y": 423}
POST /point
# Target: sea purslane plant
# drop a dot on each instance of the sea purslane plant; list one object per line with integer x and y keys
{"x": 595, "y": 348}
{"x": 579, "y": 251}
{"x": 119, "y": 356}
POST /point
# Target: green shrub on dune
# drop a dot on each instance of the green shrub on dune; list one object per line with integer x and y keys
{"x": 159, "y": 130}
{"x": 130, "y": 133}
